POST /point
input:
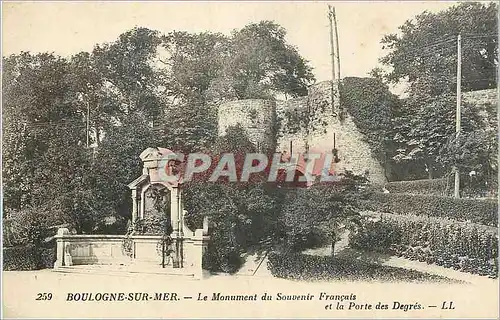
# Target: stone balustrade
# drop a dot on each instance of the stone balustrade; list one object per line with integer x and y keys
{"x": 133, "y": 250}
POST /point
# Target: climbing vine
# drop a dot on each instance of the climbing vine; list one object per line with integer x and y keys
{"x": 371, "y": 106}
{"x": 128, "y": 242}
{"x": 307, "y": 117}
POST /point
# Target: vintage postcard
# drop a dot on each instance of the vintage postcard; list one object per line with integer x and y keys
{"x": 249, "y": 160}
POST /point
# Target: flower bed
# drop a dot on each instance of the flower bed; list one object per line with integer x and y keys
{"x": 300, "y": 266}
{"x": 435, "y": 187}
{"x": 462, "y": 246}
{"x": 473, "y": 210}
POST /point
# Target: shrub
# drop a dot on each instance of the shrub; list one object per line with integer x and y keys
{"x": 474, "y": 210}
{"x": 463, "y": 246}
{"x": 220, "y": 257}
{"x": 306, "y": 267}
{"x": 314, "y": 215}
{"x": 20, "y": 258}
{"x": 28, "y": 257}
{"x": 47, "y": 257}
{"x": 435, "y": 187}
{"x": 377, "y": 237}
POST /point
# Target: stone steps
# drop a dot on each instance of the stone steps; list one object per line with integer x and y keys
{"x": 121, "y": 270}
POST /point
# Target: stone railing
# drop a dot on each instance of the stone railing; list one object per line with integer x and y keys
{"x": 182, "y": 255}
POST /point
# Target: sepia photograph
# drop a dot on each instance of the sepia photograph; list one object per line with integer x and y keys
{"x": 249, "y": 159}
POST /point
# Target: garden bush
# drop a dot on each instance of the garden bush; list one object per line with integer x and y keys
{"x": 299, "y": 266}
{"x": 28, "y": 257}
{"x": 47, "y": 257}
{"x": 435, "y": 187}
{"x": 463, "y": 246}
{"x": 20, "y": 258}
{"x": 474, "y": 210}
{"x": 220, "y": 257}
{"x": 314, "y": 216}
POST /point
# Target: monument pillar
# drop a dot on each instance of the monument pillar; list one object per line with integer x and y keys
{"x": 174, "y": 211}
{"x": 134, "y": 206}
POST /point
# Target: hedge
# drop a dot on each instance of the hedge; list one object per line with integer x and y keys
{"x": 298, "y": 266}
{"x": 435, "y": 187}
{"x": 463, "y": 246}
{"x": 28, "y": 257}
{"x": 473, "y": 210}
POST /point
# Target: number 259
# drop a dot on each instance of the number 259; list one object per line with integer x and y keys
{"x": 44, "y": 296}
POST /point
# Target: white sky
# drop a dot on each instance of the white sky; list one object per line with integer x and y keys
{"x": 66, "y": 28}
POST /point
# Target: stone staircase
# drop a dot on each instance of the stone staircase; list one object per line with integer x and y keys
{"x": 124, "y": 270}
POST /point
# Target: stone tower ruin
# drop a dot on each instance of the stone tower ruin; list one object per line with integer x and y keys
{"x": 256, "y": 116}
{"x": 310, "y": 122}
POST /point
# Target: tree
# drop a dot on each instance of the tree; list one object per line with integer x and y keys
{"x": 425, "y": 127}
{"x": 193, "y": 62}
{"x": 117, "y": 164}
{"x": 475, "y": 155}
{"x": 425, "y": 51}
{"x": 377, "y": 73}
{"x": 45, "y": 158}
{"x": 126, "y": 70}
{"x": 261, "y": 63}
{"x": 317, "y": 214}
{"x": 424, "y": 54}
{"x": 94, "y": 94}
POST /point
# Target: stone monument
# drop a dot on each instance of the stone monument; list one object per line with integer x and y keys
{"x": 177, "y": 252}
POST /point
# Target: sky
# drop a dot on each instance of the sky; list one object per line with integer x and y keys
{"x": 66, "y": 28}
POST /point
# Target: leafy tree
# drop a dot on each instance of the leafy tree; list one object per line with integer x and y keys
{"x": 126, "y": 68}
{"x": 317, "y": 214}
{"x": 96, "y": 99}
{"x": 117, "y": 163}
{"x": 189, "y": 126}
{"x": 475, "y": 155}
{"x": 425, "y": 51}
{"x": 424, "y": 54}
{"x": 194, "y": 61}
{"x": 261, "y": 63}
{"x": 420, "y": 135}
{"x": 377, "y": 73}
{"x": 45, "y": 158}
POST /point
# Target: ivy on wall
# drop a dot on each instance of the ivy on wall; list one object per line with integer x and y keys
{"x": 371, "y": 106}
{"x": 367, "y": 100}
{"x": 306, "y": 117}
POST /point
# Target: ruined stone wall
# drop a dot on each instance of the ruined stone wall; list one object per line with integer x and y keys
{"x": 314, "y": 122}
{"x": 290, "y": 115}
{"x": 325, "y": 126}
{"x": 256, "y": 116}
{"x": 290, "y": 120}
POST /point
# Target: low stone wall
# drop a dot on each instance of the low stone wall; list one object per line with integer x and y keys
{"x": 185, "y": 254}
